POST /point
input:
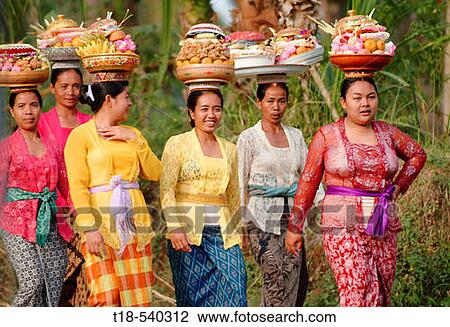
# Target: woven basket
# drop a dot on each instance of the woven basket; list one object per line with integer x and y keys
{"x": 19, "y": 79}
{"x": 60, "y": 54}
{"x": 110, "y": 62}
{"x": 205, "y": 72}
{"x": 360, "y": 62}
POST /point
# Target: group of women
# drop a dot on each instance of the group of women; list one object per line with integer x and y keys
{"x": 215, "y": 197}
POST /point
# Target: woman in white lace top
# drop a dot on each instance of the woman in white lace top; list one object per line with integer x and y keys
{"x": 271, "y": 157}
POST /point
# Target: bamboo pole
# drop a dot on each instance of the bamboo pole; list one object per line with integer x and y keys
{"x": 326, "y": 95}
{"x": 445, "y": 105}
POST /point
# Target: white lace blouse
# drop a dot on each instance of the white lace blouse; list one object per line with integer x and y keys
{"x": 260, "y": 163}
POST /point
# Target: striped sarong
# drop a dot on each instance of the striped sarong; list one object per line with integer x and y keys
{"x": 124, "y": 280}
{"x": 209, "y": 276}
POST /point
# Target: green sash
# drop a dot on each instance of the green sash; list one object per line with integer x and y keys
{"x": 46, "y": 210}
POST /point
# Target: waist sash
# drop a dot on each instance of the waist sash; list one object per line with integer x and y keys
{"x": 120, "y": 205}
{"x": 219, "y": 200}
{"x": 268, "y": 191}
{"x": 47, "y": 208}
{"x": 378, "y": 221}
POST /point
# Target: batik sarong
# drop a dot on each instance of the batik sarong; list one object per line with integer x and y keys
{"x": 39, "y": 270}
{"x": 363, "y": 266}
{"x": 285, "y": 276}
{"x": 209, "y": 275}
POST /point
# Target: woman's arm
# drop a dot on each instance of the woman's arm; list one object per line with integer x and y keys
{"x": 308, "y": 183}
{"x": 303, "y": 155}
{"x": 75, "y": 153}
{"x": 411, "y": 153}
{"x": 171, "y": 163}
{"x": 5, "y": 161}
{"x": 233, "y": 192}
{"x": 245, "y": 155}
{"x": 149, "y": 163}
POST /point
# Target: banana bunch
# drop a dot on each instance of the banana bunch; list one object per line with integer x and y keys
{"x": 96, "y": 46}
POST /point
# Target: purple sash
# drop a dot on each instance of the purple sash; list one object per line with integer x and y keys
{"x": 120, "y": 204}
{"x": 378, "y": 221}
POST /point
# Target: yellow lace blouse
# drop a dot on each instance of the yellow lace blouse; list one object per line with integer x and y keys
{"x": 190, "y": 180}
{"x": 92, "y": 161}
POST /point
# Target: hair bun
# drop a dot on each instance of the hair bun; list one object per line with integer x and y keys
{"x": 85, "y": 95}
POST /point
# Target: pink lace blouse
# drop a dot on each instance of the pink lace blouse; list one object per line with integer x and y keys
{"x": 50, "y": 128}
{"x": 20, "y": 169}
{"x": 366, "y": 167}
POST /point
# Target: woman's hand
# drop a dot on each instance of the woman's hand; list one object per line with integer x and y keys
{"x": 180, "y": 241}
{"x": 293, "y": 242}
{"x": 95, "y": 243}
{"x": 116, "y": 133}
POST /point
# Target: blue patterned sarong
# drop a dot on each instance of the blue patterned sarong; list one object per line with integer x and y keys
{"x": 209, "y": 276}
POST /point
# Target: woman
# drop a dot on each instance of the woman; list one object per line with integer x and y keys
{"x": 271, "y": 157}
{"x": 104, "y": 160}
{"x": 56, "y": 125}
{"x": 31, "y": 170}
{"x": 358, "y": 157}
{"x": 200, "y": 200}
{"x": 58, "y": 122}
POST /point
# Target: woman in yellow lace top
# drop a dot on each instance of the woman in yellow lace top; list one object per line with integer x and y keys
{"x": 200, "y": 201}
{"x": 104, "y": 160}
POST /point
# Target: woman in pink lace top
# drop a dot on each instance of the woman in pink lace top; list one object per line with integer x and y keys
{"x": 31, "y": 170}
{"x": 357, "y": 157}
{"x": 55, "y": 126}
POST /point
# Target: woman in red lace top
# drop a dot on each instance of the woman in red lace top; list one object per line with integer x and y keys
{"x": 31, "y": 169}
{"x": 358, "y": 158}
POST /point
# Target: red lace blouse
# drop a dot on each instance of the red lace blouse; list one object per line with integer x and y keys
{"x": 18, "y": 168}
{"x": 361, "y": 166}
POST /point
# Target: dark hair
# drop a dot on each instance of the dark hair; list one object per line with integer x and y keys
{"x": 193, "y": 99}
{"x": 100, "y": 91}
{"x": 58, "y": 71}
{"x": 348, "y": 82}
{"x": 262, "y": 89}
{"x": 13, "y": 96}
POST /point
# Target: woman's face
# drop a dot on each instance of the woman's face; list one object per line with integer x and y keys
{"x": 120, "y": 106}
{"x": 361, "y": 102}
{"x": 207, "y": 113}
{"x": 67, "y": 88}
{"x": 26, "y": 111}
{"x": 273, "y": 105}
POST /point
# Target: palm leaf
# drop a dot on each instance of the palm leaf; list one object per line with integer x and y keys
{"x": 166, "y": 37}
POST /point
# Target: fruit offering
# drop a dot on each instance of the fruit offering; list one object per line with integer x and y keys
{"x": 59, "y": 32}
{"x": 248, "y": 43}
{"x": 359, "y": 34}
{"x": 21, "y": 58}
{"x": 204, "y": 44}
{"x": 292, "y": 42}
{"x": 106, "y": 36}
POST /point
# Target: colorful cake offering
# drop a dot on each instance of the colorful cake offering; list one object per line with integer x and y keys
{"x": 204, "y": 55}
{"x": 22, "y": 65}
{"x": 108, "y": 48}
{"x": 359, "y": 43}
{"x": 59, "y": 32}
{"x": 250, "y": 49}
{"x": 292, "y": 42}
{"x": 358, "y": 34}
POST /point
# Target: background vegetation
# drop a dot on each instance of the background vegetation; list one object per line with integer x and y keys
{"x": 410, "y": 92}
